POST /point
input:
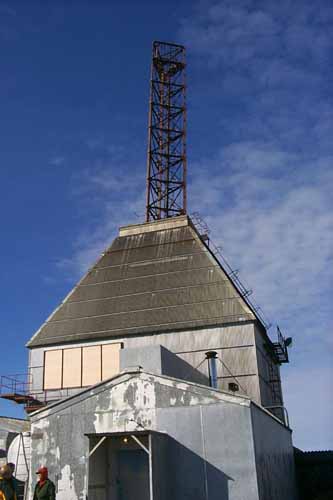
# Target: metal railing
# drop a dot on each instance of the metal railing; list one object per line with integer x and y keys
{"x": 15, "y": 384}
{"x": 245, "y": 292}
{"x": 272, "y": 409}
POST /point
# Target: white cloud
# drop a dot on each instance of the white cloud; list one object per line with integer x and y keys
{"x": 111, "y": 199}
{"x": 57, "y": 161}
{"x": 268, "y": 195}
{"x": 273, "y": 220}
{"x": 273, "y": 59}
{"x": 230, "y": 33}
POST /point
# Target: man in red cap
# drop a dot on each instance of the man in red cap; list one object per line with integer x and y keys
{"x": 45, "y": 489}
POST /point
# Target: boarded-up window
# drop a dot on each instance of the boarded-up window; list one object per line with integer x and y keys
{"x": 110, "y": 360}
{"x": 53, "y": 369}
{"x": 91, "y": 365}
{"x": 80, "y": 366}
{"x": 72, "y": 368}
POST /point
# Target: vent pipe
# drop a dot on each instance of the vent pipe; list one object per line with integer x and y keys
{"x": 211, "y": 357}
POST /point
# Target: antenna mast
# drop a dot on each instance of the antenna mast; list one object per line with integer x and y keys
{"x": 166, "y": 158}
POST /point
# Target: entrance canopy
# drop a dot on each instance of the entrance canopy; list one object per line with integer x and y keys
{"x": 126, "y": 465}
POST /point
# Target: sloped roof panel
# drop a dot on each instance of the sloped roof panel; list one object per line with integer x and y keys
{"x": 156, "y": 281}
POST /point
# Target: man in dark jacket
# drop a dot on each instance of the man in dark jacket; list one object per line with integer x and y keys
{"x": 7, "y": 491}
{"x": 45, "y": 489}
{"x": 13, "y": 478}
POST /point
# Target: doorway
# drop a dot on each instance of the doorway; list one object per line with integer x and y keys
{"x": 133, "y": 475}
{"x": 119, "y": 467}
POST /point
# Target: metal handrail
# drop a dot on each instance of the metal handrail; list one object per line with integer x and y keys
{"x": 14, "y": 384}
{"x": 280, "y": 407}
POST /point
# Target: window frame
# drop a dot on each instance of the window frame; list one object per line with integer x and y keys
{"x": 81, "y": 347}
{"x": 44, "y": 369}
{"x": 62, "y": 369}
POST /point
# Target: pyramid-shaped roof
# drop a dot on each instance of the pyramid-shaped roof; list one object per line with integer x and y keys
{"x": 155, "y": 277}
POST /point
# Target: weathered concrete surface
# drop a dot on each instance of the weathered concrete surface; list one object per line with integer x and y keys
{"x": 157, "y": 359}
{"x": 210, "y": 448}
{"x": 274, "y": 458}
{"x": 235, "y": 345}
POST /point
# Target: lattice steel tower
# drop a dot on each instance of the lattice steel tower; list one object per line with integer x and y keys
{"x": 166, "y": 159}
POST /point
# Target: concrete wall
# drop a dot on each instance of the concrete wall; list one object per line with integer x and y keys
{"x": 210, "y": 450}
{"x": 274, "y": 457}
{"x": 157, "y": 359}
{"x": 235, "y": 346}
{"x": 212, "y": 455}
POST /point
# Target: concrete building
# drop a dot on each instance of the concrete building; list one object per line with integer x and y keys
{"x": 147, "y": 436}
{"x": 156, "y": 377}
{"x": 158, "y": 283}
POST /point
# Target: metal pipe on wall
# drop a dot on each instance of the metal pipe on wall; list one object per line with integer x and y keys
{"x": 211, "y": 357}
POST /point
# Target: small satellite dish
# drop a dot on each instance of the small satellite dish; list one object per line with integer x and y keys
{"x": 288, "y": 342}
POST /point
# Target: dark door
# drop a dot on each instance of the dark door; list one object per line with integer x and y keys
{"x": 133, "y": 475}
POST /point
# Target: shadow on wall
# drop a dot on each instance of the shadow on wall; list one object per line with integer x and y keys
{"x": 188, "y": 475}
{"x": 175, "y": 366}
{"x": 120, "y": 470}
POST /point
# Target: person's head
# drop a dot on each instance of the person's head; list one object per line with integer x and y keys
{"x": 5, "y": 472}
{"x": 42, "y": 473}
{"x": 11, "y": 466}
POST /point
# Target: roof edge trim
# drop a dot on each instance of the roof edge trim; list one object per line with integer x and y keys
{"x": 158, "y": 225}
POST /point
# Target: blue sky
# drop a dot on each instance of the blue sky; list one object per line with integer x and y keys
{"x": 73, "y": 99}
